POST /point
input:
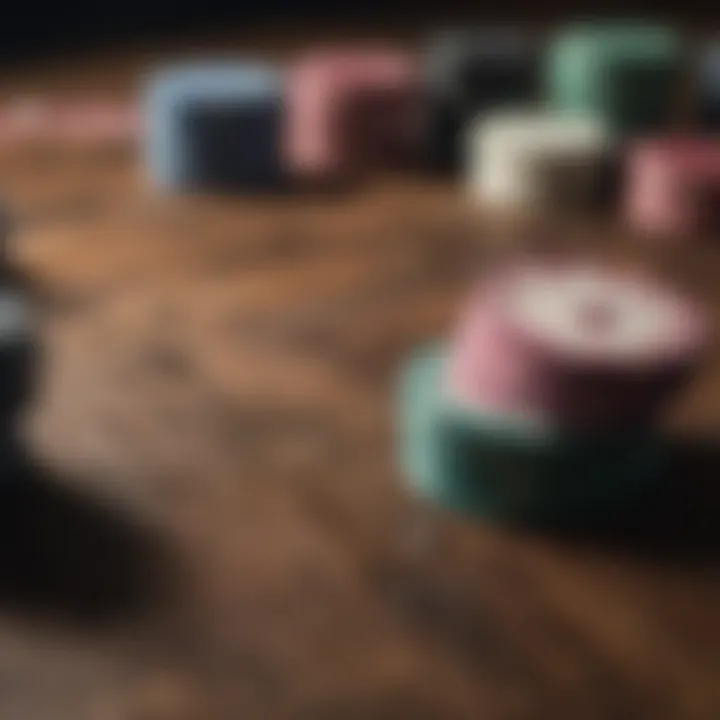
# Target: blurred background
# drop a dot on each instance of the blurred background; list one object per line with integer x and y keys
{"x": 92, "y": 24}
{"x": 217, "y": 529}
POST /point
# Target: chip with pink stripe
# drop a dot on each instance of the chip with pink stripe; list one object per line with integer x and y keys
{"x": 79, "y": 123}
{"x": 575, "y": 343}
{"x": 673, "y": 187}
{"x": 350, "y": 110}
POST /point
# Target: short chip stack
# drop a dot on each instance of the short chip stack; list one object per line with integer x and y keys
{"x": 673, "y": 187}
{"x": 351, "y": 110}
{"x": 625, "y": 72}
{"x": 543, "y": 407}
{"x": 468, "y": 72}
{"x": 214, "y": 125}
{"x": 708, "y": 87}
{"x": 534, "y": 159}
{"x": 19, "y": 352}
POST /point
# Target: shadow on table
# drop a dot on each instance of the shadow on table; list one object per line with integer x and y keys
{"x": 681, "y": 520}
{"x": 74, "y": 558}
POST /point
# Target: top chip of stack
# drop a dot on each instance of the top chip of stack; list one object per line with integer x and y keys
{"x": 576, "y": 344}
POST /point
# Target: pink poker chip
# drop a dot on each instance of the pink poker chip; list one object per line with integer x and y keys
{"x": 25, "y": 120}
{"x": 673, "y": 186}
{"x": 30, "y": 120}
{"x": 350, "y": 109}
{"x": 576, "y": 344}
{"x": 96, "y": 122}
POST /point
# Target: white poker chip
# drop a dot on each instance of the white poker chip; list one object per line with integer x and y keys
{"x": 590, "y": 313}
{"x": 523, "y": 159}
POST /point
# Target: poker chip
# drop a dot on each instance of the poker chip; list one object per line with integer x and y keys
{"x": 213, "y": 126}
{"x": 18, "y": 336}
{"x": 96, "y": 123}
{"x": 575, "y": 344}
{"x": 469, "y": 71}
{"x": 707, "y": 86}
{"x": 508, "y": 467}
{"x": 625, "y": 71}
{"x": 25, "y": 120}
{"x": 18, "y": 352}
{"x": 673, "y": 186}
{"x": 532, "y": 159}
{"x": 28, "y": 121}
{"x": 351, "y": 109}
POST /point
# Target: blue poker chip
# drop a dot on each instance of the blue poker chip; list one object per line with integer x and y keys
{"x": 213, "y": 126}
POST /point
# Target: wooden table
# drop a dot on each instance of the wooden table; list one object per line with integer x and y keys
{"x": 220, "y": 530}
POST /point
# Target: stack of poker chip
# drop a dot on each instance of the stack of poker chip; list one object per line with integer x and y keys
{"x": 533, "y": 159}
{"x": 85, "y": 123}
{"x": 673, "y": 186}
{"x": 472, "y": 71}
{"x": 544, "y": 405}
{"x": 707, "y": 87}
{"x": 624, "y": 71}
{"x": 214, "y": 125}
{"x": 350, "y": 110}
{"x": 19, "y": 351}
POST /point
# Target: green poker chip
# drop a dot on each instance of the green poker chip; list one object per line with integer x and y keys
{"x": 513, "y": 469}
{"x": 625, "y": 72}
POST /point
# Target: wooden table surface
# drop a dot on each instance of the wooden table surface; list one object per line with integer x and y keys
{"x": 219, "y": 529}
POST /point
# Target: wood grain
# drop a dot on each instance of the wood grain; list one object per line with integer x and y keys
{"x": 220, "y": 531}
